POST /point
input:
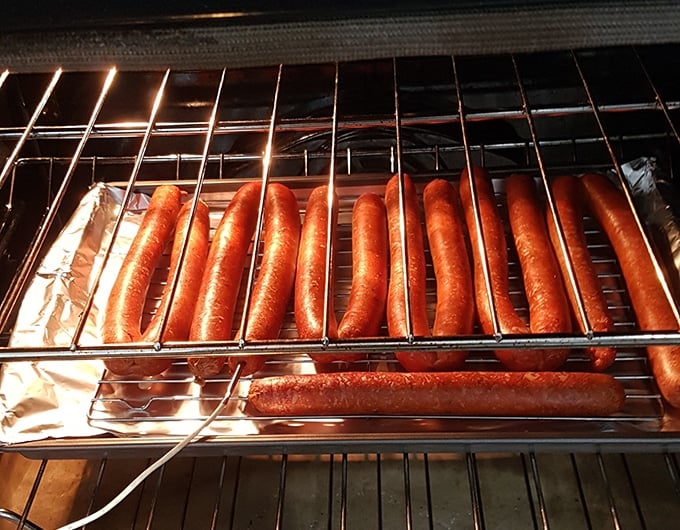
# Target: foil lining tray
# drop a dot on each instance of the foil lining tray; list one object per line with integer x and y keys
{"x": 76, "y": 400}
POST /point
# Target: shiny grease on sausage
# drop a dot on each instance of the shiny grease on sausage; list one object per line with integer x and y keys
{"x": 415, "y": 269}
{"x": 495, "y": 248}
{"x": 276, "y": 278}
{"x": 455, "y": 309}
{"x": 368, "y": 293}
{"x": 310, "y": 276}
{"x": 366, "y": 305}
{"x": 652, "y": 309}
{"x": 126, "y": 301}
{"x": 569, "y": 200}
{"x": 221, "y": 282}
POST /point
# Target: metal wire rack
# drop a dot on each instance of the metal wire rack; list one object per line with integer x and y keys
{"x": 546, "y": 114}
{"x": 393, "y": 490}
{"x": 351, "y": 124}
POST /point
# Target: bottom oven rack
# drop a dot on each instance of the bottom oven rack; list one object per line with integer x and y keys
{"x": 392, "y": 490}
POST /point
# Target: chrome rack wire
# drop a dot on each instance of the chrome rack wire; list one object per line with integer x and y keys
{"x": 311, "y": 142}
{"x": 392, "y": 490}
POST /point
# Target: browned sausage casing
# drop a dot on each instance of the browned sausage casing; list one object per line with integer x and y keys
{"x": 368, "y": 293}
{"x": 454, "y": 393}
{"x": 126, "y": 302}
{"x": 495, "y": 247}
{"x": 276, "y": 278}
{"x": 214, "y": 312}
{"x": 549, "y": 310}
{"x": 310, "y": 276}
{"x": 652, "y": 309}
{"x": 455, "y": 311}
{"x": 366, "y": 305}
{"x": 568, "y": 195}
{"x": 396, "y": 304}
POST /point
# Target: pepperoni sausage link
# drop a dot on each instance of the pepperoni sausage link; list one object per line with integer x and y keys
{"x": 396, "y": 306}
{"x": 214, "y": 313}
{"x": 124, "y": 310}
{"x": 276, "y": 278}
{"x": 452, "y": 393}
{"x": 549, "y": 310}
{"x": 495, "y": 247}
{"x": 455, "y": 311}
{"x": 310, "y": 276}
{"x": 368, "y": 294}
{"x": 652, "y": 309}
{"x": 569, "y": 202}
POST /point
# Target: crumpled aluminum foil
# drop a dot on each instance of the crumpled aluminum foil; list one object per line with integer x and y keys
{"x": 653, "y": 196}
{"x": 52, "y": 399}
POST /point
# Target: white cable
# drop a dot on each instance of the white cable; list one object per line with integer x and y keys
{"x": 158, "y": 463}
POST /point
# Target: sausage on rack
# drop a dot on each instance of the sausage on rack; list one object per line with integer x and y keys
{"x": 415, "y": 250}
{"x": 310, "y": 275}
{"x": 652, "y": 309}
{"x": 126, "y": 302}
{"x": 368, "y": 294}
{"x": 455, "y": 310}
{"x": 529, "y": 226}
{"x": 214, "y": 313}
{"x": 568, "y": 195}
{"x": 276, "y": 278}
{"x": 450, "y": 393}
{"x": 366, "y": 305}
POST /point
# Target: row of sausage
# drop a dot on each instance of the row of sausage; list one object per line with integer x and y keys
{"x": 458, "y": 222}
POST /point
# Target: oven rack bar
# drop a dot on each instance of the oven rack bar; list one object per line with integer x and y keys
{"x": 295, "y": 346}
{"x": 132, "y": 130}
{"x": 384, "y": 490}
{"x": 358, "y": 152}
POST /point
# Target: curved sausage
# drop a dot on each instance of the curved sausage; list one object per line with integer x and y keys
{"x": 455, "y": 311}
{"x": 368, "y": 293}
{"x": 495, "y": 247}
{"x": 124, "y": 310}
{"x": 549, "y": 310}
{"x": 396, "y": 304}
{"x": 276, "y": 278}
{"x": 451, "y": 393}
{"x": 214, "y": 313}
{"x": 652, "y": 309}
{"x": 569, "y": 202}
{"x": 310, "y": 275}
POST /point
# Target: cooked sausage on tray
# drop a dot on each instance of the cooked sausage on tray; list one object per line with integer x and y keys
{"x": 455, "y": 309}
{"x": 310, "y": 275}
{"x": 652, "y": 309}
{"x": 276, "y": 278}
{"x": 366, "y": 306}
{"x": 214, "y": 312}
{"x": 123, "y": 316}
{"x": 568, "y": 195}
{"x": 548, "y": 305}
{"x": 438, "y": 393}
{"x": 415, "y": 268}
{"x": 370, "y": 256}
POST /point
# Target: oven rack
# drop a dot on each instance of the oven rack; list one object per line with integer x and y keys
{"x": 157, "y": 405}
{"x": 541, "y": 143}
{"x": 391, "y": 490}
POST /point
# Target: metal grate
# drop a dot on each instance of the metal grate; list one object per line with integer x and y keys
{"x": 337, "y": 491}
{"x": 589, "y": 111}
{"x": 352, "y": 124}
